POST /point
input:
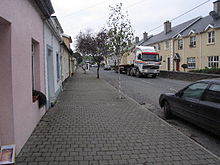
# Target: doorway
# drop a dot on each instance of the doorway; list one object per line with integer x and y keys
{"x": 50, "y": 76}
{"x": 177, "y": 65}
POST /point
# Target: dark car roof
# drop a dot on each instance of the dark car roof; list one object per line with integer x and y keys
{"x": 214, "y": 80}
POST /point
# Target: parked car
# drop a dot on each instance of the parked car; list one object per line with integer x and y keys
{"x": 107, "y": 67}
{"x": 198, "y": 103}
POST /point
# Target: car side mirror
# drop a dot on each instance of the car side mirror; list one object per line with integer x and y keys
{"x": 179, "y": 94}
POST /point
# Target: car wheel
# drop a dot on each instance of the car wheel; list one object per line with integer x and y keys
{"x": 167, "y": 110}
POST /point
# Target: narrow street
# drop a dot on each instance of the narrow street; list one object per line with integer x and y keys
{"x": 89, "y": 125}
{"x": 146, "y": 92}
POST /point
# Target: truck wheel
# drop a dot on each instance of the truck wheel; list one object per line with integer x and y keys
{"x": 138, "y": 74}
{"x": 154, "y": 76}
{"x": 128, "y": 72}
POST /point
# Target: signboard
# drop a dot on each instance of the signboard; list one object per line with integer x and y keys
{"x": 7, "y": 154}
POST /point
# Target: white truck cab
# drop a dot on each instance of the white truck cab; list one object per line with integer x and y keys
{"x": 146, "y": 61}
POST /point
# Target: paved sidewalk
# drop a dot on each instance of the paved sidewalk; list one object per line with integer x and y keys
{"x": 90, "y": 126}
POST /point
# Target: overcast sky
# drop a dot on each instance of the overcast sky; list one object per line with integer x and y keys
{"x": 145, "y": 15}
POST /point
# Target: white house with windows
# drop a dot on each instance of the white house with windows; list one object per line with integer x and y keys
{"x": 52, "y": 39}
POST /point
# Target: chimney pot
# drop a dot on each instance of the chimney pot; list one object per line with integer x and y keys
{"x": 167, "y": 27}
{"x": 216, "y": 7}
{"x": 136, "y": 40}
{"x": 145, "y": 36}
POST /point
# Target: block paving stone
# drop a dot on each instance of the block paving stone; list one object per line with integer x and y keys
{"x": 89, "y": 125}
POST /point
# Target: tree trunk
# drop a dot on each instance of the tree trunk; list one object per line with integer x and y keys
{"x": 98, "y": 70}
{"x": 119, "y": 81}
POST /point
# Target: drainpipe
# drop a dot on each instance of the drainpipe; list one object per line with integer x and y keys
{"x": 184, "y": 60}
{"x": 200, "y": 50}
{"x": 171, "y": 54}
{"x": 45, "y": 70}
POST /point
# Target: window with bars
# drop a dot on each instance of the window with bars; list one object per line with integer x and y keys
{"x": 213, "y": 61}
{"x": 180, "y": 44}
{"x": 211, "y": 37}
{"x": 191, "y": 62}
{"x": 192, "y": 41}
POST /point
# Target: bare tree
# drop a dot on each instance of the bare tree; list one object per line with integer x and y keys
{"x": 102, "y": 48}
{"x": 120, "y": 35}
{"x": 95, "y": 45}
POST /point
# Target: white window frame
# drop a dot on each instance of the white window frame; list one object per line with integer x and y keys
{"x": 192, "y": 41}
{"x": 180, "y": 44}
{"x": 211, "y": 37}
{"x": 166, "y": 45}
{"x": 213, "y": 61}
{"x": 191, "y": 62}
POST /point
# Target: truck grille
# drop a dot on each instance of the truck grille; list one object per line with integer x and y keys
{"x": 150, "y": 67}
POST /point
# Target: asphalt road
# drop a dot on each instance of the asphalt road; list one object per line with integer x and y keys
{"x": 146, "y": 91}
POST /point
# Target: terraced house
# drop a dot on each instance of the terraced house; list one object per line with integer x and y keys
{"x": 21, "y": 67}
{"x": 195, "y": 42}
{"x": 31, "y": 66}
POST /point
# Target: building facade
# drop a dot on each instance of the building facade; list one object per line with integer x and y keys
{"x": 66, "y": 58}
{"x": 21, "y": 67}
{"x": 195, "y": 43}
{"x": 52, "y": 39}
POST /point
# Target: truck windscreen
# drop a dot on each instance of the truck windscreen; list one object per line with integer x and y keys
{"x": 150, "y": 57}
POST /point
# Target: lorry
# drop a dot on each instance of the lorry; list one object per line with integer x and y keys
{"x": 143, "y": 61}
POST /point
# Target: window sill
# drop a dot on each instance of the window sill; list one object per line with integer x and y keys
{"x": 210, "y": 44}
{"x": 192, "y": 46}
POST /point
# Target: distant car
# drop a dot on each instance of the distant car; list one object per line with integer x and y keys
{"x": 198, "y": 103}
{"x": 107, "y": 67}
{"x": 94, "y": 65}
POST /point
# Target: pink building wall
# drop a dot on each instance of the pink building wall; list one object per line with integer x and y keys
{"x": 18, "y": 114}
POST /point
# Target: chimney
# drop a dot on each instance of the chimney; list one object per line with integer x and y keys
{"x": 145, "y": 36}
{"x": 216, "y": 6}
{"x": 167, "y": 27}
{"x": 215, "y": 14}
{"x": 136, "y": 40}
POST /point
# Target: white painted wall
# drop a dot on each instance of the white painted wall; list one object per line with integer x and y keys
{"x": 65, "y": 64}
{"x": 55, "y": 85}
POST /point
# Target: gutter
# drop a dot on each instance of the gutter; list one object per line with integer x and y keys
{"x": 45, "y": 7}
